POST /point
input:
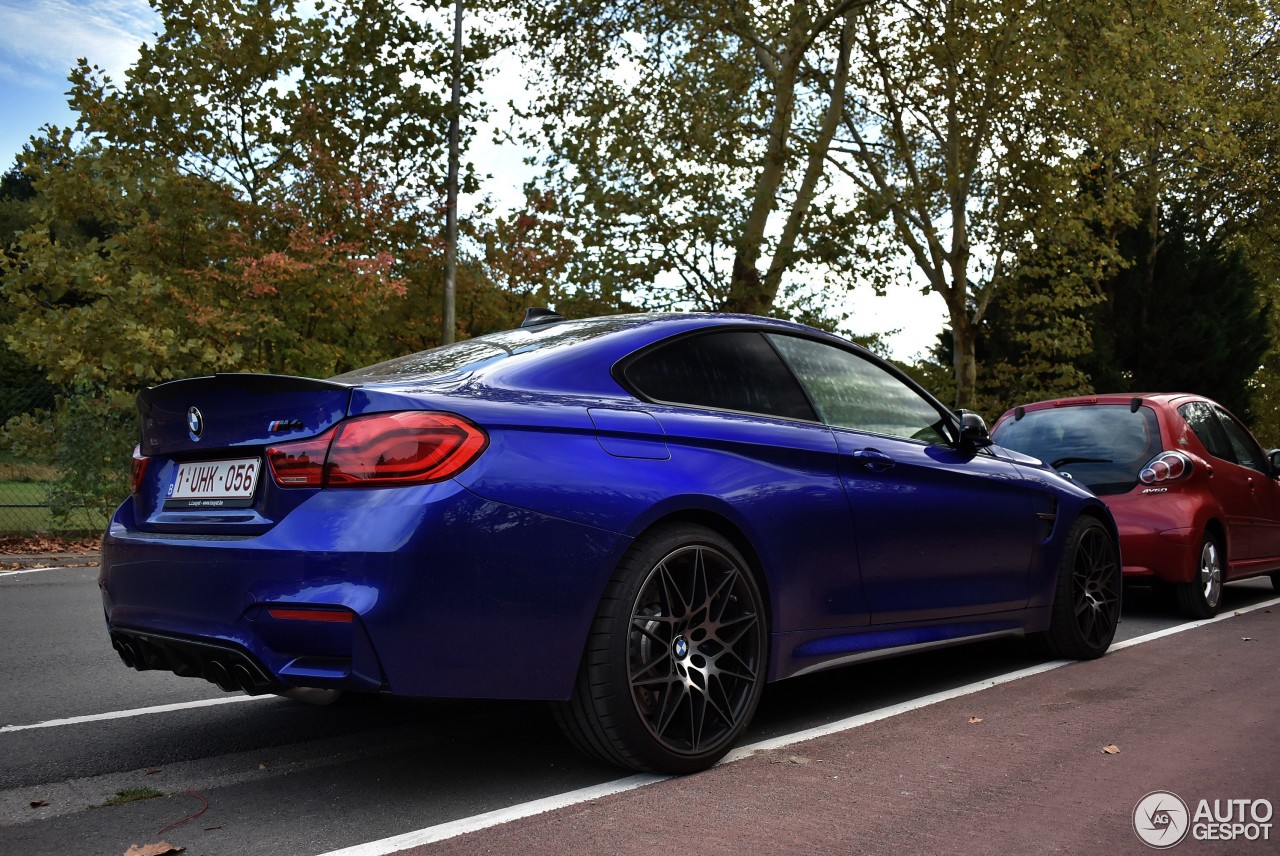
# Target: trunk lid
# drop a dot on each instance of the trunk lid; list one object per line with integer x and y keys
{"x": 215, "y": 415}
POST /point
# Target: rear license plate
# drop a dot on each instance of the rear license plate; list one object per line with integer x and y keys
{"x": 214, "y": 484}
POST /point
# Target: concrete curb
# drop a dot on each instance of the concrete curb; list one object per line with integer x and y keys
{"x": 23, "y": 561}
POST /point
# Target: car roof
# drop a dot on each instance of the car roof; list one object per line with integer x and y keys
{"x": 561, "y": 355}
{"x": 1169, "y": 399}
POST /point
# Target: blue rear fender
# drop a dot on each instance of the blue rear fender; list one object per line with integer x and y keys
{"x": 773, "y": 481}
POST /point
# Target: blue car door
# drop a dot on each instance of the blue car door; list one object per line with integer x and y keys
{"x": 941, "y": 532}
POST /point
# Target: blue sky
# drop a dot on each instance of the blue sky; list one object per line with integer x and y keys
{"x": 40, "y": 41}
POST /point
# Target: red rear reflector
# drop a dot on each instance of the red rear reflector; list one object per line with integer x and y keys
{"x": 380, "y": 450}
{"x": 336, "y": 616}
{"x": 139, "y": 469}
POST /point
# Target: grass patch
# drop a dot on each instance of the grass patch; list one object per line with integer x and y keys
{"x": 132, "y": 795}
{"x": 22, "y": 508}
{"x": 16, "y": 469}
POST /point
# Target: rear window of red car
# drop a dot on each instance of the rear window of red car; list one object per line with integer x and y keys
{"x": 1104, "y": 446}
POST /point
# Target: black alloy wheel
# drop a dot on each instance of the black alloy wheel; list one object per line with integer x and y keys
{"x": 1086, "y": 606}
{"x": 676, "y": 660}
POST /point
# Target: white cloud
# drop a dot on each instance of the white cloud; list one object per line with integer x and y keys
{"x": 40, "y": 40}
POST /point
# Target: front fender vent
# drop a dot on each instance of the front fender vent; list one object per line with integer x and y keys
{"x": 1048, "y": 519}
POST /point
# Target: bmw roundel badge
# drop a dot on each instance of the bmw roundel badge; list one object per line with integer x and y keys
{"x": 195, "y": 422}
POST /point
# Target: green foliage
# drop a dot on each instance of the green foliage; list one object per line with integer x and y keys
{"x": 260, "y": 193}
{"x": 1191, "y": 316}
{"x": 761, "y": 157}
{"x": 1191, "y": 296}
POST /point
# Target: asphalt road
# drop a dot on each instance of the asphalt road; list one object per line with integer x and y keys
{"x": 285, "y": 778}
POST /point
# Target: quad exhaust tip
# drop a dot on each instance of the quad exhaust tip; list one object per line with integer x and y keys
{"x": 226, "y": 667}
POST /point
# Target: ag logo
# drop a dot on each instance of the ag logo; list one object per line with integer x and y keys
{"x": 1161, "y": 819}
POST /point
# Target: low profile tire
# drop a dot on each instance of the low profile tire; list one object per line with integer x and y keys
{"x": 675, "y": 661}
{"x": 1086, "y": 603}
{"x": 1201, "y": 597}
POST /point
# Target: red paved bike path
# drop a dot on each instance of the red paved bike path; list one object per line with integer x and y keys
{"x": 1196, "y": 713}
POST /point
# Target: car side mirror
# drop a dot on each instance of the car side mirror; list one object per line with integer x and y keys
{"x": 1274, "y": 457}
{"x": 973, "y": 430}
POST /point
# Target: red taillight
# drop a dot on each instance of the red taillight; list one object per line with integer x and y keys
{"x": 380, "y": 450}
{"x": 138, "y": 470}
{"x": 300, "y": 464}
{"x": 1166, "y": 466}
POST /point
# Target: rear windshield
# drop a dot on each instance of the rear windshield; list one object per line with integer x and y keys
{"x": 475, "y": 353}
{"x": 1104, "y": 446}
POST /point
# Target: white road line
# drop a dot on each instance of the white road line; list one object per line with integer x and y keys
{"x": 451, "y": 829}
{"x": 140, "y": 711}
{"x": 1191, "y": 625}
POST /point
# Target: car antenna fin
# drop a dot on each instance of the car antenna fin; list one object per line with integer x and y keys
{"x": 1135, "y": 404}
{"x": 536, "y": 316}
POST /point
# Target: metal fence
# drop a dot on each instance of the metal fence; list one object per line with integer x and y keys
{"x": 28, "y": 476}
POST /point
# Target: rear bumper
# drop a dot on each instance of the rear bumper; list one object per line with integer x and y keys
{"x": 439, "y": 592}
{"x": 1159, "y": 532}
{"x": 1167, "y": 555}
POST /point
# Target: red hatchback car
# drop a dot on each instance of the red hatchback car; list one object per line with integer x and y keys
{"x": 1196, "y": 499}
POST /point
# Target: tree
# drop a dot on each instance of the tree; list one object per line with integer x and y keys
{"x": 687, "y": 146}
{"x": 258, "y": 194}
{"x": 1180, "y": 152}
{"x": 24, "y": 383}
{"x": 960, "y": 140}
{"x": 745, "y": 156}
{"x": 1192, "y": 296}
{"x": 687, "y": 128}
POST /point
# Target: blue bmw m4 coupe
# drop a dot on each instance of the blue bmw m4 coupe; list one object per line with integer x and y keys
{"x": 642, "y": 519}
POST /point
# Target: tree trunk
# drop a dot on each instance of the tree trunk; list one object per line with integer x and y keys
{"x": 964, "y": 358}
{"x": 748, "y": 293}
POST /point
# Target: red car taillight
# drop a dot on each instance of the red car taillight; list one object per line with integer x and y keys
{"x": 138, "y": 470}
{"x": 380, "y": 450}
{"x": 1166, "y": 466}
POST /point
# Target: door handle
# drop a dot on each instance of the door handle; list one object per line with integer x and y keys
{"x": 873, "y": 460}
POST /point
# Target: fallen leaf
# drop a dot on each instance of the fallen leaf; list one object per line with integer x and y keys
{"x": 974, "y": 720}
{"x": 262, "y": 766}
{"x": 1111, "y": 749}
{"x": 39, "y": 803}
{"x": 151, "y": 771}
{"x": 798, "y": 760}
{"x": 163, "y": 848}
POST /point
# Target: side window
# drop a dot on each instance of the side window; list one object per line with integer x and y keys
{"x": 732, "y": 370}
{"x": 1207, "y": 429}
{"x": 1247, "y": 450}
{"x": 850, "y": 391}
